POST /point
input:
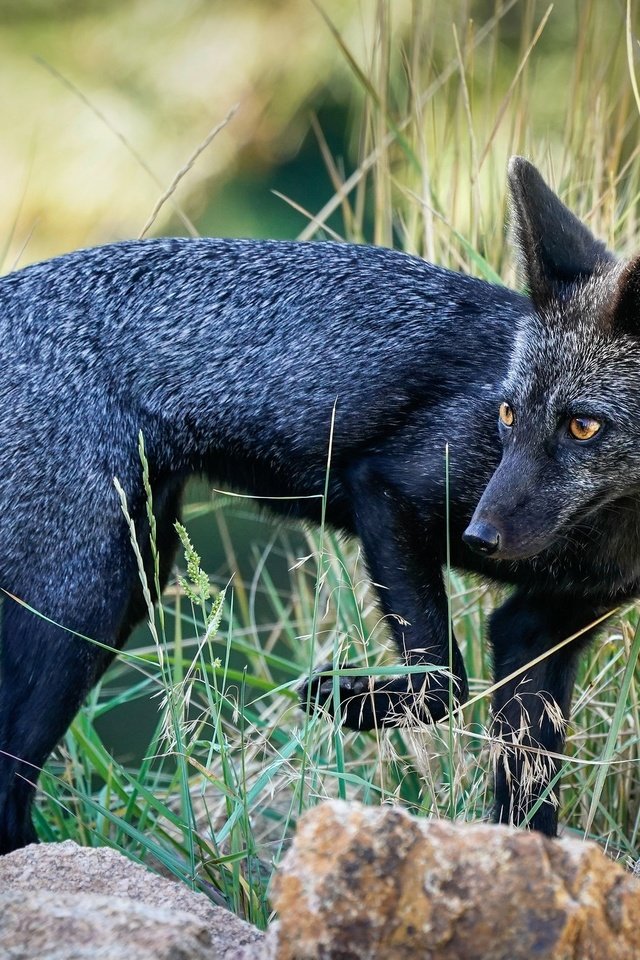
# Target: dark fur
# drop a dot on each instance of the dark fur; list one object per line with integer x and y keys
{"x": 229, "y": 356}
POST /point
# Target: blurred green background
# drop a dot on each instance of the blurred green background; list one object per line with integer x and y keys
{"x": 87, "y": 150}
{"x": 85, "y": 155}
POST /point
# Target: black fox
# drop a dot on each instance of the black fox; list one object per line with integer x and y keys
{"x": 230, "y": 357}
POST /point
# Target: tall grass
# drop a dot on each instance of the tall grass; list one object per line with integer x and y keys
{"x": 439, "y": 103}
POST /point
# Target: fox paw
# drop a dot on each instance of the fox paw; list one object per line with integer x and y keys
{"x": 355, "y": 696}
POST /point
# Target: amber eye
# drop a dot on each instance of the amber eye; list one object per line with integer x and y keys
{"x": 583, "y": 428}
{"x": 507, "y": 416}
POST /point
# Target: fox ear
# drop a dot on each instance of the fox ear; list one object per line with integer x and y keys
{"x": 625, "y": 308}
{"x": 555, "y": 247}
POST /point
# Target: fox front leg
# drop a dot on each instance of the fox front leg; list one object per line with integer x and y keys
{"x": 531, "y": 709}
{"x": 405, "y": 566}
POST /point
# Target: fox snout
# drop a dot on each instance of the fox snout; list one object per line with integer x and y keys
{"x": 517, "y": 514}
{"x": 509, "y": 537}
{"x": 482, "y": 537}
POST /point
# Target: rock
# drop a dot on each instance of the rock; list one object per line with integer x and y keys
{"x": 363, "y": 882}
{"x": 62, "y": 926}
{"x": 60, "y": 901}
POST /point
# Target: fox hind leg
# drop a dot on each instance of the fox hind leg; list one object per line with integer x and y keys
{"x": 46, "y": 673}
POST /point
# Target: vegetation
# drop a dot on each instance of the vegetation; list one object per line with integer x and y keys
{"x": 439, "y": 102}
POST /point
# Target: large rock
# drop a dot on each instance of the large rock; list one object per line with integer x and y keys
{"x": 65, "y": 902}
{"x": 363, "y": 882}
{"x": 62, "y": 926}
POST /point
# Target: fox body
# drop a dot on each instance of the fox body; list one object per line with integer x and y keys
{"x": 241, "y": 360}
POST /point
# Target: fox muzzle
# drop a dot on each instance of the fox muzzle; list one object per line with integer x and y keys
{"x": 482, "y": 537}
{"x": 516, "y": 516}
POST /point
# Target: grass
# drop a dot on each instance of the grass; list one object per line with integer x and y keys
{"x": 439, "y": 104}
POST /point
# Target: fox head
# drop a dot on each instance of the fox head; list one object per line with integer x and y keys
{"x": 569, "y": 419}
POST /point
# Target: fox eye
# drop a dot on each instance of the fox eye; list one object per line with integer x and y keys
{"x": 584, "y": 428}
{"x": 507, "y": 416}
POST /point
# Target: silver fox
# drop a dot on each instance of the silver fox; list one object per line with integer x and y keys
{"x": 230, "y": 357}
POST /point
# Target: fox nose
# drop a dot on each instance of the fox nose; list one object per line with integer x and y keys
{"x": 482, "y": 537}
